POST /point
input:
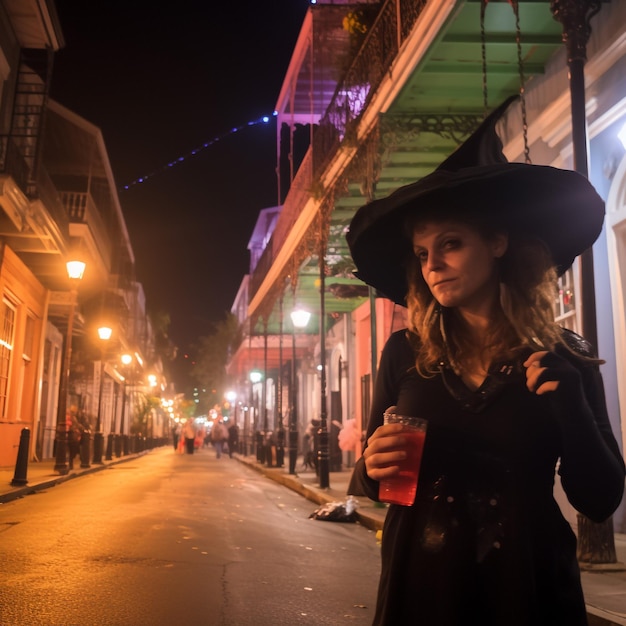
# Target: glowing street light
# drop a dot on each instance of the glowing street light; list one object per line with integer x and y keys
{"x": 122, "y": 441}
{"x": 104, "y": 332}
{"x": 75, "y": 271}
{"x": 255, "y": 377}
{"x": 299, "y": 319}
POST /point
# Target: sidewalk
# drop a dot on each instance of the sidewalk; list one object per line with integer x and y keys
{"x": 605, "y": 586}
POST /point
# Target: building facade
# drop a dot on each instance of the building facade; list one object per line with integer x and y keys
{"x": 376, "y": 96}
{"x": 58, "y": 202}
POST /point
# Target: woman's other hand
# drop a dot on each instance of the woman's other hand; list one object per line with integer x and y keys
{"x": 548, "y": 372}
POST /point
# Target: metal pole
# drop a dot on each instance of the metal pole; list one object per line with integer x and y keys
{"x": 575, "y": 15}
{"x": 596, "y": 542}
{"x": 61, "y": 465}
{"x": 126, "y": 437}
{"x": 280, "y": 434}
{"x": 120, "y": 450}
{"x": 373, "y": 333}
{"x": 98, "y": 438}
{"x": 264, "y": 446}
{"x": 247, "y": 426}
{"x": 323, "y": 454}
{"x": 580, "y": 147}
{"x": 293, "y": 414}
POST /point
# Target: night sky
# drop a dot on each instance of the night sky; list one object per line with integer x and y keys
{"x": 160, "y": 84}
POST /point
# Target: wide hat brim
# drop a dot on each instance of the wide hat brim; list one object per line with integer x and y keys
{"x": 559, "y": 207}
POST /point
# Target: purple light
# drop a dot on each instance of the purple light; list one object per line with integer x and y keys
{"x": 265, "y": 119}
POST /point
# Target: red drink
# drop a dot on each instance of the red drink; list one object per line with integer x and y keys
{"x": 402, "y": 487}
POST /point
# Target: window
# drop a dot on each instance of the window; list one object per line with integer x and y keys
{"x": 29, "y": 337}
{"x": 7, "y": 328}
{"x": 565, "y": 302}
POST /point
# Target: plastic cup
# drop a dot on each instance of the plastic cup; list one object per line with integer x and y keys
{"x": 401, "y": 488}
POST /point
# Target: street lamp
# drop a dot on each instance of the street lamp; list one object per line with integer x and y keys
{"x": 104, "y": 332}
{"x": 231, "y": 404}
{"x": 153, "y": 384}
{"x": 323, "y": 456}
{"x": 265, "y": 448}
{"x": 255, "y": 378}
{"x": 299, "y": 320}
{"x": 75, "y": 271}
{"x": 122, "y": 444}
{"x": 231, "y": 399}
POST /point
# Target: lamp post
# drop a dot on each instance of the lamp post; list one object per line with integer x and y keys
{"x": 299, "y": 320}
{"x": 255, "y": 377}
{"x": 75, "y": 271}
{"x": 231, "y": 398}
{"x": 264, "y": 448}
{"x": 596, "y": 541}
{"x": 104, "y": 332}
{"x": 323, "y": 454}
{"x": 153, "y": 383}
{"x": 122, "y": 446}
{"x": 280, "y": 427}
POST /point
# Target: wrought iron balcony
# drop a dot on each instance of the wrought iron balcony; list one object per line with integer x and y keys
{"x": 337, "y": 127}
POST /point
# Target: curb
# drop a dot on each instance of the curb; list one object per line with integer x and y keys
{"x": 317, "y": 495}
{"x": 27, "y": 490}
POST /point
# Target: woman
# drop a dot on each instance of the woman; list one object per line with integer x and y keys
{"x": 474, "y": 250}
{"x": 189, "y": 435}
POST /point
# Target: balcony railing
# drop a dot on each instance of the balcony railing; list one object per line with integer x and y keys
{"x": 82, "y": 209}
{"x": 13, "y": 163}
{"x": 352, "y": 96}
{"x": 299, "y": 192}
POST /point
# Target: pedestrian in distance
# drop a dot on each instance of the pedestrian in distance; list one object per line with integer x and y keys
{"x": 309, "y": 451}
{"x": 474, "y": 251}
{"x": 189, "y": 434}
{"x": 219, "y": 437}
{"x": 199, "y": 440}
{"x": 176, "y": 430}
{"x": 74, "y": 435}
{"x": 233, "y": 439}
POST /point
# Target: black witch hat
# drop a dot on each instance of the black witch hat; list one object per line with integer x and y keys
{"x": 560, "y": 207}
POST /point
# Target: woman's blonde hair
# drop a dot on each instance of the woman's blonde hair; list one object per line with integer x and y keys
{"x": 525, "y": 317}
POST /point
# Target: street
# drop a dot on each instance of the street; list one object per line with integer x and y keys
{"x": 170, "y": 539}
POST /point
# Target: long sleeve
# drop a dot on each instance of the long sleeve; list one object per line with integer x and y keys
{"x": 592, "y": 468}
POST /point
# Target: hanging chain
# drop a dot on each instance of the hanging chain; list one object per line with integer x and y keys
{"x": 520, "y": 66}
{"x": 522, "y": 79}
{"x": 483, "y": 47}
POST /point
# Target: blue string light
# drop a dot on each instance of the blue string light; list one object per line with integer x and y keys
{"x": 261, "y": 120}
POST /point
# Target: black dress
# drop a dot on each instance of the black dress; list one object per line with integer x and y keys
{"x": 485, "y": 542}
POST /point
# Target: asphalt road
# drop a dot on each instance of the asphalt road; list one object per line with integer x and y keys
{"x": 173, "y": 539}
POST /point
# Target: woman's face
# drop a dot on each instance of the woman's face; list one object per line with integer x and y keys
{"x": 459, "y": 264}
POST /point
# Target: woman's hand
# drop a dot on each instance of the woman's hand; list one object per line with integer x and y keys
{"x": 385, "y": 449}
{"x": 546, "y": 371}
{"x": 549, "y": 373}
{"x": 535, "y": 378}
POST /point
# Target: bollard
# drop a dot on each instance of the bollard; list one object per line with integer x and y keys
{"x": 260, "y": 450}
{"x": 21, "y": 465}
{"x": 85, "y": 448}
{"x": 270, "y": 454}
{"x": 98, "y": 447}
{"x": 109, "y": 450}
